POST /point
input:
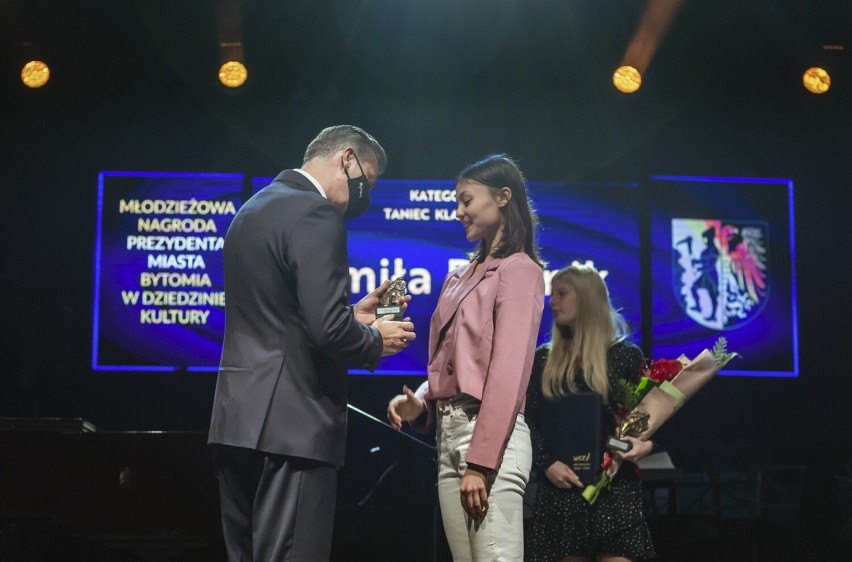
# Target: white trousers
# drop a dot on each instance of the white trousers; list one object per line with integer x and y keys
{"x": 499, "y": 536}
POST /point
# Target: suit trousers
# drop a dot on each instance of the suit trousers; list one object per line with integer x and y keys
{"x": 499, "y": 536}
{"x": 274, "y": 507}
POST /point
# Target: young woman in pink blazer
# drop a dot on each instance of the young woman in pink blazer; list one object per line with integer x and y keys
{"x": 481, "y": 346}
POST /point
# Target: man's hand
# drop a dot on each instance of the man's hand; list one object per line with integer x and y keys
{"x": 395, "y": 335}
{"x": 365, "y": 309}
{"x": 404, "y": 407}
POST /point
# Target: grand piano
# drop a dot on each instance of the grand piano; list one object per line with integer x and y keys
{"x": 72, "y": 491}
{"x": 67, "y": 487}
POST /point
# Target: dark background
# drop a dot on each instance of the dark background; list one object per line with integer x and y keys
{"x": 440, "y": 84}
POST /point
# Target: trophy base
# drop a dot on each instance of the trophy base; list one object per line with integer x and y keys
{"x": 396, "y": 310}
{"x": 618, "y": 445}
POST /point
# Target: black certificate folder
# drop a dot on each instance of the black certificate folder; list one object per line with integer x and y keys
{"x": 571, "y": 427}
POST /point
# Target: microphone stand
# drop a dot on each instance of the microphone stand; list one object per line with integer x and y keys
{"x": 395, "y": 465}
{"x": 389, "y": 426}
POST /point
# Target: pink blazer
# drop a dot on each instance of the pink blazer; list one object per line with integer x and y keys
{"x": 481, "y": 342}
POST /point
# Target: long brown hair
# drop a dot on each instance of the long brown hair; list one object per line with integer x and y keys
{"x": 520, "y": 220}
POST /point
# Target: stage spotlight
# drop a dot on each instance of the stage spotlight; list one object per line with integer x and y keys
{"x": 233, "y": 74}
{"x": 35, "y": 74}
{"x": 816, "y": 80}
{"x": 626, "y": 79}
{"x": 652, "y": 28}
{"x": 229, "y": 23}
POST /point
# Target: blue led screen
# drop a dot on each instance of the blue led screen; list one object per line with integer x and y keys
{"x": 159, "y": 286}
{"x": 717, "y": 253}
{"x": 723, "y": 264}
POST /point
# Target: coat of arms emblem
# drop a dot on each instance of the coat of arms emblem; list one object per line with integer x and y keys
{"x": 720, "y": 270}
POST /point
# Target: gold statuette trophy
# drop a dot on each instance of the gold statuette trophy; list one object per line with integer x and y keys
{"x": 389, "y": 302}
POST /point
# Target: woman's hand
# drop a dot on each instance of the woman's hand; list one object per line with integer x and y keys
{"x": 638, "y": 450}
{"x": 561, "y": 476}
{"x": 404, "y": 407}
{"x": 474, "y": 491}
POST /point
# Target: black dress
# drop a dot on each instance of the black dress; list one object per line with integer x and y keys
{"x": 563, "y": 523}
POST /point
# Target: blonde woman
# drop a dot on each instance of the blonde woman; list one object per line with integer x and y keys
{"x": 588, "y": 352}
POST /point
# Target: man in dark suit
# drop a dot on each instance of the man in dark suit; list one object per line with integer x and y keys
{"x": 278, "y": 427}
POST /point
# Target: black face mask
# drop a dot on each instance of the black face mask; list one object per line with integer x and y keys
{"x": 359, "y": 193}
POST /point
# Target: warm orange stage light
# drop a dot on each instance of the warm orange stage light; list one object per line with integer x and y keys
{"x": 233, "y": 74}
{"x": 35, "y": 74}
{"x": 626, "y": 79}
{"x": 816, "y": 80}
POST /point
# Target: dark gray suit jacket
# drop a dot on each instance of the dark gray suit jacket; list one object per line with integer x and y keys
{"x": 289, "y": 330}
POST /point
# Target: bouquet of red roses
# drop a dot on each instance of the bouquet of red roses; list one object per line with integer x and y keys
{"x": 665, "y": 385}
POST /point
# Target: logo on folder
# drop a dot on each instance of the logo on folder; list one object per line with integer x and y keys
{"x": 581, "y": 462}
{"x": 720, "y": 270}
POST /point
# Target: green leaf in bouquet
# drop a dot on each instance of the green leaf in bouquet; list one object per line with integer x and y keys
{"x": 720, "y": 352}
{"x": 642, "y": 388}
{"x": 623, "y": 392}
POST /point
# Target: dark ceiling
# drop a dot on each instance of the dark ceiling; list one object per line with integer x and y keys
{"x": 439, "y": 82}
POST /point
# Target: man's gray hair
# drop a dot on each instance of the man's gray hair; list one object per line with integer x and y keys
{"x": 336, "y": 138}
